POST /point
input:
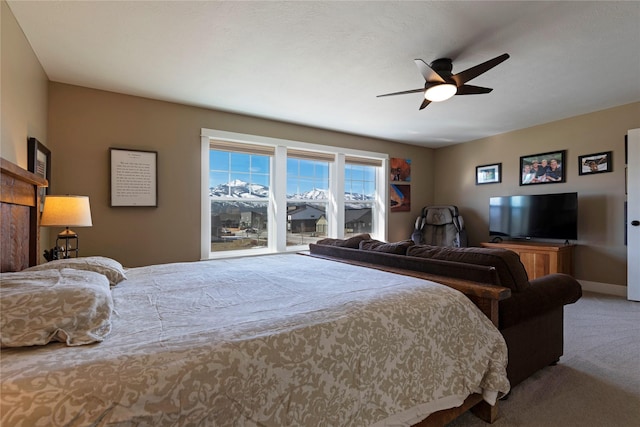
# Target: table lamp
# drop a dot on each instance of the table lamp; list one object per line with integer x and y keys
{"x": 66, "y": 211}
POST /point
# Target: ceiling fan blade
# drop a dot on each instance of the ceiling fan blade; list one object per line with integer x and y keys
{"x": 402, "y": 93}
{"x": 472, "y": 90}
{"x": 424, "y": 104}
{"x": 427, "y": 72}
{"x": 473, "y": 72}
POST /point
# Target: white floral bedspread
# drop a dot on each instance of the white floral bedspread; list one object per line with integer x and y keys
{"x": 277, "y": 340}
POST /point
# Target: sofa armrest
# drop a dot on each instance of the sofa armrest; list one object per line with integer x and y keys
{"x": 560, "y": 287}
{"x": 544, "y": 294}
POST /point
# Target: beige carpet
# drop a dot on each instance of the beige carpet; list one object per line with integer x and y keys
{"x": 596, "y": 383}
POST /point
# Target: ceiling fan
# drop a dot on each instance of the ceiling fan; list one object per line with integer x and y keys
{"x": 441, "y": 84}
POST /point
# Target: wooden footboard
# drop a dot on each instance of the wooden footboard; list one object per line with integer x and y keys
{"x": 474, "y": 403}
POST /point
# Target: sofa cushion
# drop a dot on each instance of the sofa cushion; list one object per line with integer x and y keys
{"x": 398, "y": 248}
{"x": 352, "y": 242}
{"x": 510, "y": 270}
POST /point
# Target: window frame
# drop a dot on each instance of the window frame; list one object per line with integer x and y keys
{"x": 326, "y": 202}
{"x": 361, "y": 202}
{"x": 277, "y": 230}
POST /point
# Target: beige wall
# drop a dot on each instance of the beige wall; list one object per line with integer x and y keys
{"x": 23, "y": 96}
{"x": 84, "y": 123}
{"x": 23, "y": 85}
{"x": 601, "y": 254}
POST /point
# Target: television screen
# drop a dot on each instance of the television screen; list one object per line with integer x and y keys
{"x": 542, "y": 216}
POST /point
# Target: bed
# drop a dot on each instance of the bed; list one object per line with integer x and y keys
{"x": 277, "y": 340}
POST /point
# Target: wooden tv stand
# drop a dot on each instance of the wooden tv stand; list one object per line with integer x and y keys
{"x": 540, "y": 259}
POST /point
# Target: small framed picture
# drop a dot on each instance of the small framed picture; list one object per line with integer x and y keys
{"x": 595, "y": 163}
{"x": 489, "y": 174}
{"x": 39, "y": 162}
{"x": 543, "y": 168}
{"x": 400, "y": 198}
{"x": 400, "y": 169}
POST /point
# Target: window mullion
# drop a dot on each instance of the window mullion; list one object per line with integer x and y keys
{"x": 380, "y": 224}
{"x": 278, "y": 213}
{"x": 336, "y": 198}
{"x": 205, "y": 202}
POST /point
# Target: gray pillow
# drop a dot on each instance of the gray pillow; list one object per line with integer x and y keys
{"x": 110, "y": 268}
{"x": 67, "y": 305}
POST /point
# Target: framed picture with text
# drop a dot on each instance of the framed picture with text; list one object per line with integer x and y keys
{"x": 134, "y": 177}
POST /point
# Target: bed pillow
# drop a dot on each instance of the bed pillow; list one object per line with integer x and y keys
{"x": 398, "y": 248}
{"x": 111, "y": 268}
{"x": 352, "y": 242}
{"x": 67, "y": 305}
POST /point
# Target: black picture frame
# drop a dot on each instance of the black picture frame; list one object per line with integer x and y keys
{"x": 39, "y": 162}
{"x": 134, "y": 177}
{"x": 543, "y": 168}
{"x": 590, "y": 164}
{"x": 489, "y": 174}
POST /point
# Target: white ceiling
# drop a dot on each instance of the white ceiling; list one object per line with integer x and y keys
{"x": 322, "y": 63}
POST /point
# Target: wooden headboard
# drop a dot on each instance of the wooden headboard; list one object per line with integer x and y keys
{"x": 19, "y": 217}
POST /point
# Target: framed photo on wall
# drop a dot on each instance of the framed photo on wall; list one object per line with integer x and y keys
{"x": 400, "y": 197}
{"x": 400, "y": 169}
{"x": 543, "y": 168}
{"x": 134, "y": 177}
{"x": 39, "y": 162}
{"x": 489, "y": 174}
{"x": 595, "y": 163}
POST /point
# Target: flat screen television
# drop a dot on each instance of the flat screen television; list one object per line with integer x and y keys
{"x": 539, "y": 216}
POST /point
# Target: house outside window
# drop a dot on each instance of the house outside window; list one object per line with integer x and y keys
{"x": 308, "y": 196}
{"x": 265, "y": 195}
{"x": 359, "y": 196}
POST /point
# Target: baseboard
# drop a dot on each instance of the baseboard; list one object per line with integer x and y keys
{"x": 603, "y": 288}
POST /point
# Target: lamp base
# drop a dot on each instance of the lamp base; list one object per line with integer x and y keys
{"x": 66, "y": 233}
{"x": 67, "y": 245}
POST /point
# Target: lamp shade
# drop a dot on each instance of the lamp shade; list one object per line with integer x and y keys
{"x": 66, "y": 211}
{"x": 440, "y": 92}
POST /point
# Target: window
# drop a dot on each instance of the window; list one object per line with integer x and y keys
{"x": 239, "y": 180}
{"x": 265, "y": 195}
{"x": 359, "y": 198}
{"x": 307, "y": 197}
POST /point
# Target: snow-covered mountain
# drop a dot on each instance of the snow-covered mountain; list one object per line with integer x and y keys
{"x": 239, "y": 189}
{"x": 314, "y": 194}
{"x": 242, "y": 190}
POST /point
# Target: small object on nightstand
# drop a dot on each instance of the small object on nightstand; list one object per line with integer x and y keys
{"x": 57, "y": 252}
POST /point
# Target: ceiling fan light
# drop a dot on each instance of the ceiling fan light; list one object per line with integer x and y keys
{"x": 440, "y": 92}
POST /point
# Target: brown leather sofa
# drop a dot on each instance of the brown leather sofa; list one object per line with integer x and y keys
{"x": 531, "y": 319}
